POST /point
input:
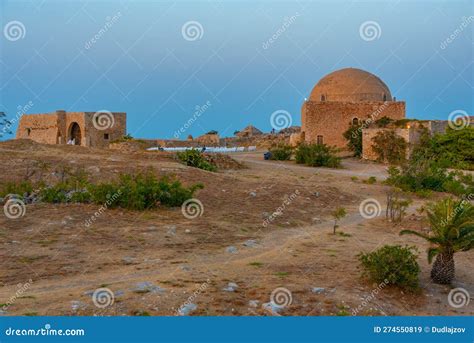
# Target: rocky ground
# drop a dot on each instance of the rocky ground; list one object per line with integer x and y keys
{"x": 264, "y": 228}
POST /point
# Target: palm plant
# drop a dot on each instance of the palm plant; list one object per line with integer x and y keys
{"x": 452, "y": 230}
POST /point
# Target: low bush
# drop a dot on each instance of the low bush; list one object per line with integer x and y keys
{"x": 281, "y": 152}
{"x": 392, "y": 264}
{"x": 317, "y": 155}
{"x": 54, "y": 194}
{"x": 19, "y": 188}
{"x": 142, "y": 191}
{"x": 195, "y": 158}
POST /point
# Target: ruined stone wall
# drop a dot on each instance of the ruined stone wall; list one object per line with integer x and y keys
{"x": 55, "y": 128}
{"x": 42, "y": 128}
{"x": 331, "y": 119}
{"x": 411, "y": 135}
{"x": 101, "y": 138}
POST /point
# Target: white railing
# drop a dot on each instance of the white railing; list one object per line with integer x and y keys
{"x": 208, "y": 149}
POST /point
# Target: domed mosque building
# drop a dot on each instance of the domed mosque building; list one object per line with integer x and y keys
{"x": 343, "y": 98}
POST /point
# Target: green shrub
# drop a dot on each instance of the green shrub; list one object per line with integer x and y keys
{"x": 142, "y": 191}
{"x": 54, "y": 194}
{"x": 195, "y": 158}
{"x": 19, "y": 188}
{"x": 389, "y": 147}
{"x": 317, "y": 155}
{"x": 281, "y": 152}
{"x": 353, "y": 135}
{"x": 371, "y": 180}
{"x": 392, "y": 264}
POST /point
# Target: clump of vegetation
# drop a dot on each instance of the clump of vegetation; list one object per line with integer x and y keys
{"x": 195, "y": 158}
{"x": 390, "y": 147}
{"x": 136, "y": 192}
{"x": 392, "y": 264}
{"x": 353, "y": 135}
{"x": 452, "y": 230}
{"x": 317, "y": 155}
{"x": 371, "y": 180}
{"x": 19, "y": 188}
{"x": 281, "y": 152}
{"x": 142, "y": 191}
{"x": 397, "y": 203}
{"x": 337, "y": 215}
{"x": 453, "y": 149}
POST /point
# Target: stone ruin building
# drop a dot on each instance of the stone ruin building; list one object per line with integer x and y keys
{"x": 343, "y": 98}
{"x": 90, "y": 129}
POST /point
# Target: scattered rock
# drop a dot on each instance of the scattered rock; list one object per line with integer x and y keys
{"x": 187, "y": 309}
{"x": 146, "y": 286}
{"x": 272, "y": 308}
{"x": 77, "y": 305}
{"x": 171, "y": 230}
{"x": 251, "y": 243}
{"x": 318, "y": 290}
{"x": 316, "y": 220}
{"x": 231, "y": 250}
{"x": 187, "y": 231}
{"x": 253, "y": 303}
{"x": 316, "y": 194}
{"x": 253, "y": 194}
{"x": 128, "y": 260}
{"x": 231, "y": 287}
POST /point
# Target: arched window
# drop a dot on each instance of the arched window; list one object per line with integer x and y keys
{"x": 384, "y": 97}
{"x": 28, "y": 131}
{"x": 355, "y": 121}
{"x": 323, "y": 97}
{"x": 319, "y": 140}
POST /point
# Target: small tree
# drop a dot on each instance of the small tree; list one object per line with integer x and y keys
{"x": 390, "y": 147}
{"x": 353, "y": 135}
{"x": 337, "y": 215}
{"x": 396, "y": 205}
{"x": 5, "y": 125}
{"x": 452, "y": 230}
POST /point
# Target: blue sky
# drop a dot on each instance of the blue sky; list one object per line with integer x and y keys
{"x": 144, "y": 63}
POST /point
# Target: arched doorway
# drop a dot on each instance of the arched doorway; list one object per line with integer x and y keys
{"x": 74, "y": 134}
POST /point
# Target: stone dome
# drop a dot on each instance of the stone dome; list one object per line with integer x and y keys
{"x": 352, "y": 85}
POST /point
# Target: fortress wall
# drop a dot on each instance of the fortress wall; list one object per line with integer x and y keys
{"x": 332, "y": 119}
{"x": 42, "y": 128}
